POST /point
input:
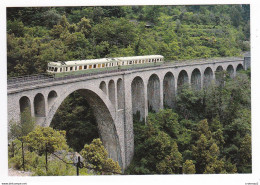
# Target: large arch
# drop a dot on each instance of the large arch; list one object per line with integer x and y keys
{"x": 168, "y": 90}
{"x": 138, "y": 103}
{"x": 120, "y": 94}
{"x": 182, "y": 79}
{"x": 230, "y": 71}
{"x": 25, "y": 103}
{"x": 104, "y": 115}
{"x": 153, "y": 93}
{"x": 111, "y": 91}
{"x": 207, "y": 77}
{"x": 196, "y": 79}
{"x": 219, "y": 75}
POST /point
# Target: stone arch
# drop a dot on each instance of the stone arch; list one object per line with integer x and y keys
{"x": 51, "y": 97}
{"x": 39, "y": 106}
{"x": 208, "y": 77}
{"x": 196, "y": 79}
{"x": 153, "y": 93}
{"x": 103, "y": 87}
{"x": 138, "y": 103}
{"x": 182, "y": 79}
{"x": 24, "y": 104}
{"x": 111, "y": 91}
{"x": 120, "y": 93}
{"x": 219, "y": 76}
{"x": 168, "y": 90}
{"x": 104, "y": 114}
{"x": 239, "y": 67}
{"x": 230, "y": 70}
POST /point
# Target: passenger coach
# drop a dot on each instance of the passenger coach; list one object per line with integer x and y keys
{"x": 77, "y": 65}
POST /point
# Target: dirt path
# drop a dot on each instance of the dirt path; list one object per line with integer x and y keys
{"x": 13, "y": 172}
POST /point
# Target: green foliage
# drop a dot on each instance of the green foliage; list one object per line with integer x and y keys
{"x": 20, "y": 130}
{"x": 162, "y": 155}
{"x": 189, "y": 167}
{"x": 45, "y": 139}
{"x": 167, "y": 121}
{"x": 38, "y": 35}
{"x": 245, "y": 154}
{"x": 36, "y": 164}
{"x": 96, "y": 157}
{"x": 213, "y": 145}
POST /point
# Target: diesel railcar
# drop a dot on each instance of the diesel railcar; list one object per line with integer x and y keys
{"x": 80, "y": 65}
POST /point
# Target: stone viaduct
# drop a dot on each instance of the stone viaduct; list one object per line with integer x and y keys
{"x": 116, "y": 96}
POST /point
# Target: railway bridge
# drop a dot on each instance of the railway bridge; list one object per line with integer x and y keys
{"x": 116, "y": 95}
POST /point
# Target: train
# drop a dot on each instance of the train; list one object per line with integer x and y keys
{"x": 103, "y": 63}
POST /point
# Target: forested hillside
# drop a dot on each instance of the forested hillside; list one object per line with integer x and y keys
{"x": 36, "y": 36}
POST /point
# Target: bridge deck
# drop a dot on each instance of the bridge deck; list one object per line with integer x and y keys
{"x": 22, "y": 83}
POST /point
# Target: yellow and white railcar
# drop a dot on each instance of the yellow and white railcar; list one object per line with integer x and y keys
{"x": 77, "y": 65}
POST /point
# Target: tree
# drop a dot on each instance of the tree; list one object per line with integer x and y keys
{"x": 21, "y": 129}
{"x": 46, "y": 140}
{"x": 205, "y": 150}
{"x": 167, "y": 121}
{"x": 96, "y": 157}
{"x": 188, "y": 167}
{"x": 84, "y": 26}
{"x": 189, "y": 103}
{"x": 245, "y": 154}
{"x": 51, "y": 18}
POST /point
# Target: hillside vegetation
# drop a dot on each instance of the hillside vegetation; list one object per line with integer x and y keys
{"x": 36, "y": 36}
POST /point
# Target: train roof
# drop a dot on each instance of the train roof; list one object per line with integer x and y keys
{"x": 102, "y": 60}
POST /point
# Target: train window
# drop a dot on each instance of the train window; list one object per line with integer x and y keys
{"x": 94, "y": 66}
{"x": 66, "y": 69}
{"x": 76, "y": 68}
{"x": 103, "y": 65}
{"x": 55, "y": 69}
{"x": 130, "y": 62}
{"x": 90, "y": 66}
{"x": 60, "y": 69}
{"x": 99, "y": 65}
{"x": 80, "y": 67}
{"x": 71, "y": 68}
{"x": 85, "y": 67}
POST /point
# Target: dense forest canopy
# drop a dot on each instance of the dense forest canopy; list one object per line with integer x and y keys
{"x": 37, "y": 35}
